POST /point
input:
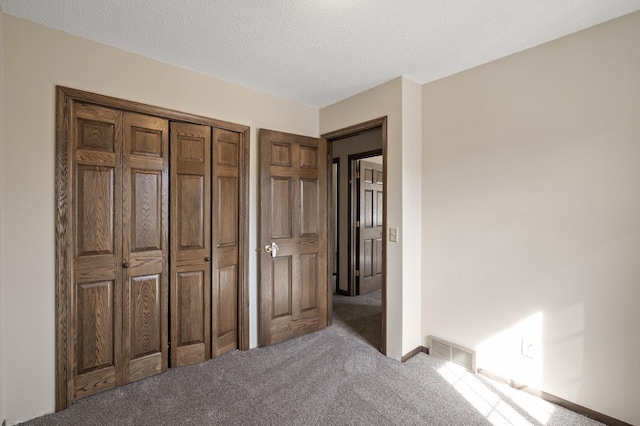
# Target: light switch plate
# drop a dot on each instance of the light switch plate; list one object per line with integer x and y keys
{"x": 393, "y": 235}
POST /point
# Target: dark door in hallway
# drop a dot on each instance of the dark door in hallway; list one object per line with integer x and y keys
{"x": 370, "y": 230}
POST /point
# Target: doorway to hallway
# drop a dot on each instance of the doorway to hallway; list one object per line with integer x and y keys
{"x": 358, "y": 229}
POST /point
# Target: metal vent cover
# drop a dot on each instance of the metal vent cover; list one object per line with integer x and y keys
{"x": 453, "y": 352}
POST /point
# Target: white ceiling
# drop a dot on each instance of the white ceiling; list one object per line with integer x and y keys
{"x": 317, "y": 52}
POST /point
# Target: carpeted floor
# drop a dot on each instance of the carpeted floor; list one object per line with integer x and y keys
{"x": 332, "y": 377}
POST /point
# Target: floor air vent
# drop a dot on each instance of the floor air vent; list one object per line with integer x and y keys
{"x": 457, "y": 354}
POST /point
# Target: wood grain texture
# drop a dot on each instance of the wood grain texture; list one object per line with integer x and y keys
{"x": 145, "y": 212}
{"x": 63, "y": 266}
{"x": 243, "y": 241}
{"x": 192, "y": 304}
{"x": 190, "y": 189}
{"x": 146, "y": 317}
{"x": 95, "y": 358}
{"x": 226, "y": 281}
{"x": 96, "y": 150}
{"x": 190, "y": 243}
{"x": 227, "y": 212}
{"x": 95, "y": 348}
{"x": 293, "y": 190}
{"x": 95, "y": 210}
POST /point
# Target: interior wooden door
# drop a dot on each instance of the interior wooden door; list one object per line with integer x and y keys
{"x": 293, "y": 236}
{"x": 370, "y": 230}
{"x": 226, "y": 240}
{"x": 190, "y": 201}
{"x": 96, "y": 220}
{"x": 145, "y": 245}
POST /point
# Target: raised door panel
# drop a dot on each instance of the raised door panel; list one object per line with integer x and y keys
{"x": 96, "y": 364}
{"x": 190, "y": 243}
{"x": 225, "y": 243}
{"x": 309, "y": 203}
{"x": 227, "y": 212}
{"x": 282, "y": 290}
{"x": 281, "y": 217}
{"x": 95, "y": 215}
{"x": 293, "y": 187}
{"x": 190, "y": 322}
{"x": 96, "y": 289}
{"x": 146, "y": 210}
{"x": 145, "y": 245}
{"x": 225, "y": 310}
{"x": 146, "y": 327}
{"x": 309, "y": 280}
{"x": 190, "y": 207}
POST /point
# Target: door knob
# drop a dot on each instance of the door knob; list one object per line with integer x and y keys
{"x": 126, "y": 264}
{"x": 206, "y": 259}
{"x": 273, "y": 249}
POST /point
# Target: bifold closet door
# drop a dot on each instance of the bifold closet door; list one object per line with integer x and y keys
{"x": 226, "y": 196}
{"x": 145, "y": 245}
{"x": 190, "y": 269}
{"x": 96, "y": 288}
{"x": 120, "y": 217}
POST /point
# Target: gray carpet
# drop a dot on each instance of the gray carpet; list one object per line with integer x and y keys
{"x": 332, "y": 377}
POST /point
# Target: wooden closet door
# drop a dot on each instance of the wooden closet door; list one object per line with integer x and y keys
{"x": 145, "y": 245}
{"x": 95, "y": 292}
{"x": 190, "y": 243}
{"x": 224, "y": 310}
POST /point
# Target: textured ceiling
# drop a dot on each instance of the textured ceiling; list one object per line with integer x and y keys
{"x": 317, "y": 52}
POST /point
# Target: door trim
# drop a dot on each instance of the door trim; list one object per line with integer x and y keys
{"x": 356, "y": 130}
{"x": 335, "y": 250}
{"x": 64, "y": 233}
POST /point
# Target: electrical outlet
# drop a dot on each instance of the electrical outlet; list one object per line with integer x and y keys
{"x": 528, "y": 348}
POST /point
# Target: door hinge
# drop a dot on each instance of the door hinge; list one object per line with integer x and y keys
{"x": 357, "y": 272}
{"x": 357, "y": 175}
{"x": 357, "y": 224}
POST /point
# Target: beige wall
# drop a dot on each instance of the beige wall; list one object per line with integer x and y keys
{"x": 387, "y": 100}
{"x": 342, "y": 148}
{"x": 531, "y": 207}
{"x": 512, "y": 186}
{"x": 37, "y": 59}
{"x": 410, "y": 238}
{"x": 2, "y": 280}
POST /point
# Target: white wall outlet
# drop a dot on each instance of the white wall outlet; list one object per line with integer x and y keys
{"x": 393, "y": 235}
{"x": 529, "y": 348}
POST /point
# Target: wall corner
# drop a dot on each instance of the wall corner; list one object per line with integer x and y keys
{"x": 2, "y": 192}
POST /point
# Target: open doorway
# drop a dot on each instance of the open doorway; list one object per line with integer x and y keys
{"x": 358, "y": 229}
